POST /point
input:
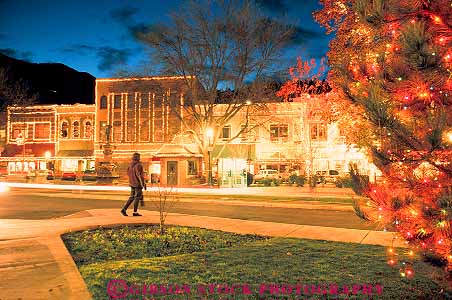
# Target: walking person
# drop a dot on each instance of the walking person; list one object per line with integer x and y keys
{"x": 136, "y": 183}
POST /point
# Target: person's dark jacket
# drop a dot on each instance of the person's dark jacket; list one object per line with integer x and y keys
{"x": 135, "y": 173}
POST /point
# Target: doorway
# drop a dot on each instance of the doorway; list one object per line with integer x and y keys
{"x": 171, "y": 177}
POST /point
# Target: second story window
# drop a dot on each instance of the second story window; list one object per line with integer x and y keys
{"x": 226, "y": 132}
{"x": 144, "y": 102}
{"x": 248, "y": 133}
{"x": 130, "y": 101}
{"x": 279, "y": 132}
{"x": 103, "y": 102}
{"x": 64, "y": 131}
{"x": 42, "y": 131}
{"x": 76, "y": 130}
{"x": 318, "y": 128}
{"x": 117, "y": 102}
{"x": 102, "y": 133}
{"x": 318, "y": 131}
{"x": 88, "y": 130}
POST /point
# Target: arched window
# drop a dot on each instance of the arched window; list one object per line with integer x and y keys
{"x": 318, "y": 126}
{"x": 64, "y": 129}
{"x": 76, "y": 129}
{"x": 103, "y": 102}
{"x": 88, "y": 130}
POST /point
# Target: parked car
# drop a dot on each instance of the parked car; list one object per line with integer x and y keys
{"x": 89, "y": 175}
{"x": 69, "y": 175}
{"x": 329, "y": 176}
{"x": 266, "y": 174}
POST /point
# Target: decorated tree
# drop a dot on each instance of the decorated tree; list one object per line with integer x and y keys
{"x": 306, "y": 86}
{"x": 391, "y": 61}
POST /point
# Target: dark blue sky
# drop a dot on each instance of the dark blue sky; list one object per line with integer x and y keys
{"x": 94, "y": 35}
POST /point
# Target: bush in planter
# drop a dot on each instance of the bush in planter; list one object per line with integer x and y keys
{"x": 276, "y": 182}
{"x": 313, "y": 180}
{"x": 299, "y": 180}
{"x": 267, "y": 181}
{"x": 344, "y": 182}
{"x": 292, "y": 179}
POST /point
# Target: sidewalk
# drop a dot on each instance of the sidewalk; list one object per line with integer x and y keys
{"x": 34, "y": 264}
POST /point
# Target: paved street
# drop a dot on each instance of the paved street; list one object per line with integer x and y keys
{"x": 30, "y": 204}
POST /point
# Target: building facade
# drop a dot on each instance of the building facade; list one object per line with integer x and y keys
{"x": 49, "y": 137}
{"x": 138, "y": 115}
{"x": 290, "y": 137}
{"x": 143, "y": 115}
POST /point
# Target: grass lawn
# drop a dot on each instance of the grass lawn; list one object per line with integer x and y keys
{"x": 195, "y": 257}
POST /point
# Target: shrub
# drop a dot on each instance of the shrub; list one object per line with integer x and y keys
{"x": 276, "y": 182}
{"x": 344, "y": 182}
{"x": 299, "y": 180}
{"x": 292, "y": 178}
{"x": 313, "y": 180}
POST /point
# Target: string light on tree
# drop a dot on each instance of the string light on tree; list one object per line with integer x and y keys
{"x": 397, "y": 69}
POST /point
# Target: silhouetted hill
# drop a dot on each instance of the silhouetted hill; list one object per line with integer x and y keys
{"x": 56, "y": 83}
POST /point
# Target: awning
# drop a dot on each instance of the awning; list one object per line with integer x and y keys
{"x": 75, "y": 153}
{"x": 169, "y": 150}
{"x": 242, "y": 151}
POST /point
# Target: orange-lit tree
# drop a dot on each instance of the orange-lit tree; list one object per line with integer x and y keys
{"x": 392, "y": 61}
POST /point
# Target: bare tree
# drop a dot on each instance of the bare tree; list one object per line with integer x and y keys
{"x": 14, "y": 93}
{"x": 217, "y": 45}
{"x": 164, "y": 199}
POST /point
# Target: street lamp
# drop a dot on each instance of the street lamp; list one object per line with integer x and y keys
{"x": 20, "y": 140}
{"x": 47, "y": 156}
{"x": 209, "y": 135}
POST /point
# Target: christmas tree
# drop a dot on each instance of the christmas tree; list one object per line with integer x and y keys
{"x": 392, "y": 61}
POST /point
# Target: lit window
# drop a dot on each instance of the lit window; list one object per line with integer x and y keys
{"x": 279, "y": 132}
{"x": 64, "y": 129}
{"x": 226, "y": 132}
{"x": 248, "y": 133}
{"x": 17, "y": 131}
{"x": 42, "y": 131}
{"x": 76, "y": 129}
{"x": 318, "y": 131}
{"x": 192, "y": 167}
{"x": 317, "y": 126}
{"x": 88, "y": 130}
{"x": 103, "y": 102}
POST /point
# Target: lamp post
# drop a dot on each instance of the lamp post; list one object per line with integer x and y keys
{"x": 47, "y": 156}
{"x": 209, "y": 135}
{"x": 20, "y": 140}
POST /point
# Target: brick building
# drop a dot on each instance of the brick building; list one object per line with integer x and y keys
{"x": 57, "y": 137}
{"x": 138, "y": 115}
